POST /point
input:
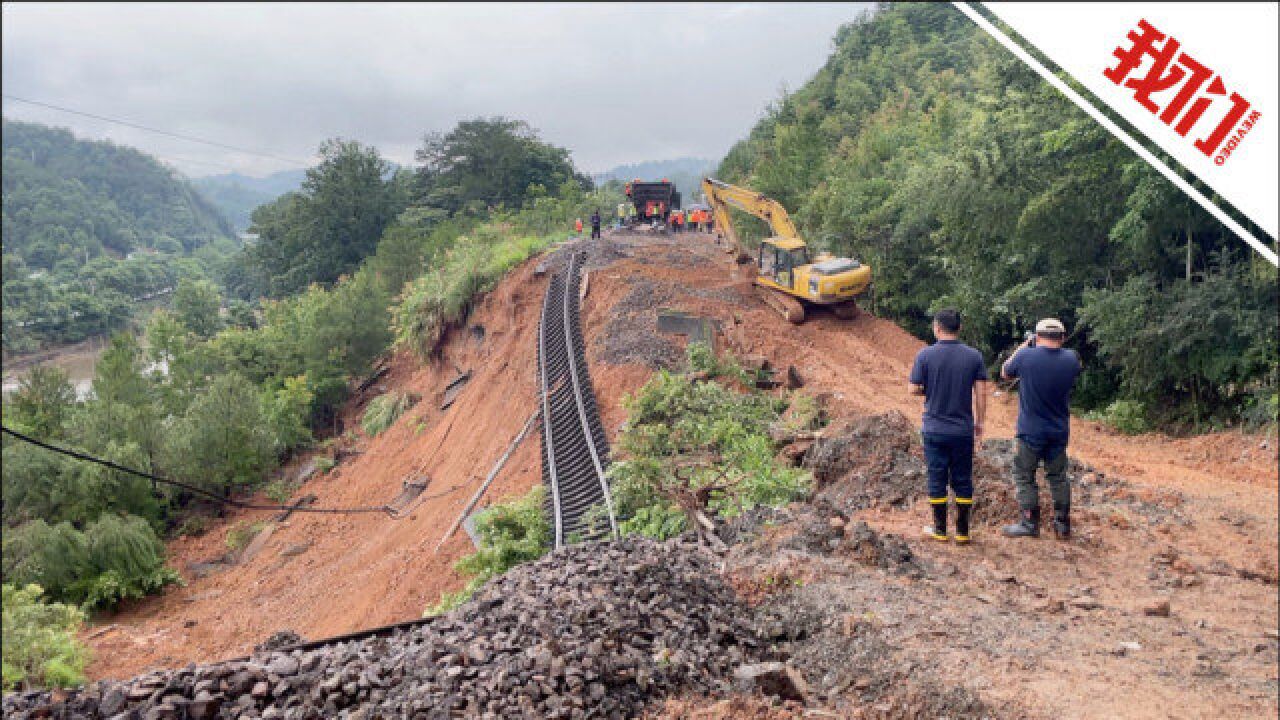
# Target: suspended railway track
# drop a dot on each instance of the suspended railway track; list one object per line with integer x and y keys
{"x": 575, "y": 452}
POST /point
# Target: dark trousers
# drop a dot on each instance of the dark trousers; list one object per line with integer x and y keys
{"x": 1053, "y": 453}
{"x": 595, "y": 232}
{"x": 950, "y": 460}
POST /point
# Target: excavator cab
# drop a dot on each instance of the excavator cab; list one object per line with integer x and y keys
{"x": 779, "y": 257}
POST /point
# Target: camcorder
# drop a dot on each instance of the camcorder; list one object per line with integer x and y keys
{"x": 1030, "y": 338}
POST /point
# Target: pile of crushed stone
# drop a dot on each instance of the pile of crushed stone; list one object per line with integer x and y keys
{"x": 594, "y": 630}
{"x": 631, "y": 336}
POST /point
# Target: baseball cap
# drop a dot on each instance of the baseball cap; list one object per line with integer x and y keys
{"x": 1050, "y": 325}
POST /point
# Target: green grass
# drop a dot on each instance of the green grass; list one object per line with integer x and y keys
{"x": 510, "y": 533}
{"x": 384, "y": 410}
{"x": 442, "y": 297}
{"x": 239, "y": 536}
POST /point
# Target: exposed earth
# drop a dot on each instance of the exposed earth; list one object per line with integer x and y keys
{"x": 1162, "y": 605}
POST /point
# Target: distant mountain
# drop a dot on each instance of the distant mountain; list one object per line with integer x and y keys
{"x": 238, "y": 195}
{"x": 685, "y": 172}
{"x": 90, "y": 227}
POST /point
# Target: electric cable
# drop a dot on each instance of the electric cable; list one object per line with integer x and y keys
{"x": 136, "y": 126}
{"x": 386, "y": 509}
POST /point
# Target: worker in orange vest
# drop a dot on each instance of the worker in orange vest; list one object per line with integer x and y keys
{"x": 577, "y": 227}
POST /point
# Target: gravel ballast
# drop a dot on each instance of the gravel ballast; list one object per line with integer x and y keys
{"x": 594, "y": 630}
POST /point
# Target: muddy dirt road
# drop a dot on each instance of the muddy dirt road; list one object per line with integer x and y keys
{"x": 1193, "y": 523}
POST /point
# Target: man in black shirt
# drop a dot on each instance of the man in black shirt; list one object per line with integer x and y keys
{"x": 953, "y": 379}
{"x": 1045, "y": 371}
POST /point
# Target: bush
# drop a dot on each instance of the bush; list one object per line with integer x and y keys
{"x": 441, "y": 298}
{"x": 384, "y": 410}
{"x": 689, "y": 442}
{"x": 127, "y": 559}
{"x": 702, "y": 358}
{"x": 55, "y": 557}
{"x": 40, "y": 645}
{"x": 241, "y": 534}
{"x": 115, "y": 558}
{"x": 510, "y": 533}
{"x": 1127, "y": 416}
{"x": 279, "y": 491}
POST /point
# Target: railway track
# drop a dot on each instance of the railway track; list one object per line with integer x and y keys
{"x": 575, "y": 452}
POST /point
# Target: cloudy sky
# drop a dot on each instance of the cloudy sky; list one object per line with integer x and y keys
{"x": 615, "y": 83}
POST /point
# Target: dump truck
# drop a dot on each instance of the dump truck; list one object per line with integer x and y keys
{"x": 652, "y": 199}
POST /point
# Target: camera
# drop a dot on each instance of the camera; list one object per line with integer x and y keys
{"x": 1030, "y": 339}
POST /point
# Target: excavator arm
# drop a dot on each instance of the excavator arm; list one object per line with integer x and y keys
{"x": 721, "y": 196}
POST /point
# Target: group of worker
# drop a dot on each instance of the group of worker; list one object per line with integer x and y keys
{"x": 693, "y": 220}
{"x": 952, "y": 377}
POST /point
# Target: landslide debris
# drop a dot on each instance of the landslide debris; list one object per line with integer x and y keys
{"x": 594, "y": 630}
{"x": 871, "y": 461}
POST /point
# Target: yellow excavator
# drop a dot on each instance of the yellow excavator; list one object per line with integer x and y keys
{"x": 788, "y": 275}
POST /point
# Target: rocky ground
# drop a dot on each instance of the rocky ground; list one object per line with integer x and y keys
{"x": 590, "y": 631}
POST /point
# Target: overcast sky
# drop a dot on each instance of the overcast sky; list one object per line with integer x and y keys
{"x": 615, "y": 83}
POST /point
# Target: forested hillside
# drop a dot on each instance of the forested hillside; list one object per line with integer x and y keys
{"x": 91, "y": 227}
{"x": 237, "y": 196}
{"x": 925, "y": 149}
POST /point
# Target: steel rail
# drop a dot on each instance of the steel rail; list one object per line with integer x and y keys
{"x": 572, "y": 321}
{"x": 548, "y": 441}
{"x": 574, "y": 446}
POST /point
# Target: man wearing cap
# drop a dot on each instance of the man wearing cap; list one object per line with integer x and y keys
{"x": 1046, "y": 372}
{"x": 953, "y": 379}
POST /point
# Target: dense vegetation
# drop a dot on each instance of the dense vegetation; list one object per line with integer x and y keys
{"x": 219, "y": 399}
{"x": 928, "y": 151}
{"x": 702, "y": 445}
{"x": 90, "y": 230}
{"x": 489, "y": 163}
{"x": 40, "y": 646}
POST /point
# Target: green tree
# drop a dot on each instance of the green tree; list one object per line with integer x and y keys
{"x": 222, "y": 443}
{"x": 326, "y": 229}
{"x": 43, "y": 401}
{"x": 195, "y": 306}
{"x": 484, "y": 163}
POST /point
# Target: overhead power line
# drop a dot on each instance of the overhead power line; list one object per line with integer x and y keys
{"x": 179, "y": 136}
{"x": 385, "y": 509}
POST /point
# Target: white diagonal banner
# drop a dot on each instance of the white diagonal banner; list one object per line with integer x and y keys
{"x": 1197, "y": 80}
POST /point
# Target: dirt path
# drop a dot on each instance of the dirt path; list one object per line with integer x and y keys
{"x": 322, "y": 575}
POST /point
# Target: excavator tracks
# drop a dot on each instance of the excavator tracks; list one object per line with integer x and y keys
{"x": 790, "y": 308}
{"x": 575, "y": 452}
